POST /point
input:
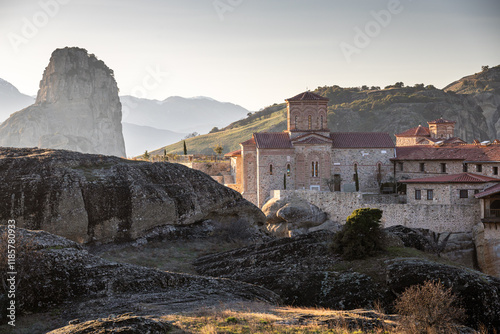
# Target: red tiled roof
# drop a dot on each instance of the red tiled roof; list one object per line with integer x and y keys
{"x": 272, "y": 140}
{"x": 464, "y": 152}
{"x": 414, "y": 132}
{"x": 489, "y": 191}
{"x": 454, "y": 178}
{"x": 361, "y": 140}
{"x": 312, "y": 141}
{"x": 250, "y": 141}
{"x": 236, "y": 153}
{"x": 307, "y": 96}
{"x": 441, "y": 121}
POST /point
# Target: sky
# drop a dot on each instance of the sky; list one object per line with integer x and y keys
{"x": 253, "y": 52}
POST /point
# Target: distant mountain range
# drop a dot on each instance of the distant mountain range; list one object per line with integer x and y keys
{"x": 198, "y": 114}
{"x": 149, "y": 124}
{"x": 11, "y": 100}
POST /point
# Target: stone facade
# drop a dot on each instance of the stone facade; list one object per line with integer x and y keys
{"x": 339, "y": 205}
{"x": 308, "y": 156}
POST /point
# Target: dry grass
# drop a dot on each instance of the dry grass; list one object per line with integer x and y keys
{"x": 263, "y": 318}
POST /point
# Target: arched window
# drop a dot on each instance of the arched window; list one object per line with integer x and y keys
{"x": 314, "y": 169}
{"x": 296, "y": 120}
{"x": 321, "y": 122}
{"x": 270, "y": 169}
{"x": 288, "y": 170}
{"x": 309, "y": 122}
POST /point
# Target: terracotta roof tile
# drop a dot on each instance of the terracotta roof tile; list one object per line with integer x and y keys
{"x": 307, "y": 96}
{"x": 464, "y": 152}
{"x": 419, "y": 131}
{"x": 441, "y": 121}
{"x": 489, "y": 191}
{"x": 312, "y": 141}
{"x": 361, "y": 140}
{"x": 454, "y": 178}
{"x": 250, "y": 141}
{"x": 272, "y": 140}
{"x": 236, "y": 153}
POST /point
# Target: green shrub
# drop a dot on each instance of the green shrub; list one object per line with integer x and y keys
{"x": 361, "y": 236}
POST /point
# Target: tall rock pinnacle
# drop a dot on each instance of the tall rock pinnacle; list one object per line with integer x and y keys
{"x": 77, "y": 108}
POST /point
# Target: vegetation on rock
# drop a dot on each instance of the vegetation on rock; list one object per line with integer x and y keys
{"x": 361, "y": 236}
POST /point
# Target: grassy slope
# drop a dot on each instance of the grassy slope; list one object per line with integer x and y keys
{"x": 349, "y": 109}
{"x": 229, "y": 138}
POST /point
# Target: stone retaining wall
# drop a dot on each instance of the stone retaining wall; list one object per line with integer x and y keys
{"x": 436, "y": 217}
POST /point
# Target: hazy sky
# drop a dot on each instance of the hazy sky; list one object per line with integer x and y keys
{"x": 253, "y": 52}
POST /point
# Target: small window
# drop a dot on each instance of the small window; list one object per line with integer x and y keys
{"x": 270, "y": 169}
{"x": 443, "y": 167}
{"x": 430, "y": 194}
{"x": 401, "y": 166}
{"x": 296, "y": 121}
{"x": 479, "y": 168}
{"x": 321, "y": 122}
{"x": 418, "y": 194}
{"x": 309, "y": 122}
{"x": 316, "y": 169}
{"x": 495, "y": 170}
{"x": 465, "y": 168}
{"x": 288, "y": 170}
{"x": 464, "y": 193}
{"x": 422, "y": 167}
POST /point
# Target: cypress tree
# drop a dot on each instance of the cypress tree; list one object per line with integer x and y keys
{"x": 185, "y": 149}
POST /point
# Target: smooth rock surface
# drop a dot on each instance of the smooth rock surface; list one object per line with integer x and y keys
{"x": 77, "y": 108}
{"x": 95, "y": 198}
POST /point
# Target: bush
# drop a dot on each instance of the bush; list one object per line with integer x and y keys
{"x": 361, "y": 236}
{"x": 428, "y": 308}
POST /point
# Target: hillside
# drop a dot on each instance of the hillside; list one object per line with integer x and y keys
{"x": 11, "y": 100}
{"x": 393, "y": 109}
{"x": 179, "y": 114}
{"x": 138, "y": 138}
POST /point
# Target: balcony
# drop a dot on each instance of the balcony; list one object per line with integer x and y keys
{"x": 491, "y": 216}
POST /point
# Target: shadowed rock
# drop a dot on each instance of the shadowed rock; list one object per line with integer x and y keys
{"x": 101, "y": 198}
{"x": 56, "y": 271}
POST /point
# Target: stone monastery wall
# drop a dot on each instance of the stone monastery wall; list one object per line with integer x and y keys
{"x": 436, "y": 217}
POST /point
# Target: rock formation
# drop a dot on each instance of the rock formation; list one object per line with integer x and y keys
{"x": 303, "y": 272}
{"x": 56, "y": 272}
{"x": 101, "y": 198}
{"x": 292, "y": 216}
{"x": 482, "y": 89}
{"x": 77, "y": 108}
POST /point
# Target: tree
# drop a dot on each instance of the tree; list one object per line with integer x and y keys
{"x": 399, "y": 84}
{"x": 361, "y": 236}
{"x": 191, "y": 135}
{"x": 419, "y": 86}
{"x": 185, "y": 148}
{"x": 429, "y": 87}
{"x": 284, "y": 181}
{"x": 146, "y": 155}
{"x": 218, "y": 149}
{"x": 214, "y": 130}
{"x": 364, "y": 87}
{"x": 485, "y": 68}
{"x": 428, "y": 308}
{"x": 249, "y": 114}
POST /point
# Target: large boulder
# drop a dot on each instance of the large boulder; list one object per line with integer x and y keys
{"x": 77, "y": 108}
{"x": 55, "y": 272}
{"x": 456, "y": 246}
{"x": 304, "y": 273}
{"x": 292, "y": 215}
{"x": 95, "y": 198}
